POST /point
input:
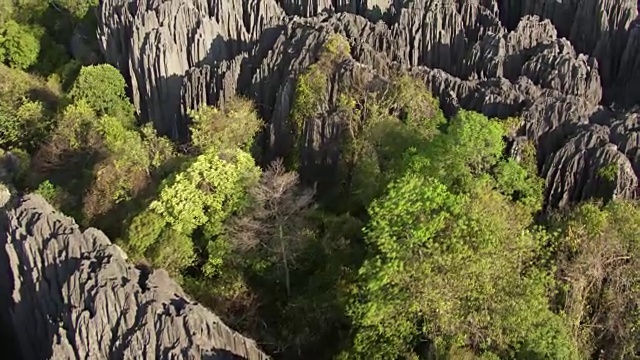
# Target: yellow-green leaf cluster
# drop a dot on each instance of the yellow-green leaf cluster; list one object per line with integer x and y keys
{"x": 204, "y": 195}
{"x": 207, "y": 191}
{"x": 232, "y": 127}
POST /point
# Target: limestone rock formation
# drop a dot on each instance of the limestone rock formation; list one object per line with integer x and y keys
{"x": 155, "y": 42}
{"x": 70, "y": 294}
{"x": 562, "y": 66}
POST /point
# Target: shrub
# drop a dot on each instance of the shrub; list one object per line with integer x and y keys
{"x": 232, "y": 127}
{"x": 609, "y": 172}
{"x": 50, "y": 192}
{"x": 19, "y": 47}
{"x": 25, "y": 127}
{"x": 103, "y": 88}
{"x": 26, "y": 110}
{"x": 203, "y": 196}
{"x": 77, "y": 8}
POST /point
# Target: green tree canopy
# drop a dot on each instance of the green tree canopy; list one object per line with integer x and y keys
{"x": 77, "y": 8}
{"x": 454, "y": 269}
{"x": 202, "y": 196}
{"x": 451, "y": 257}
{"x": 19, "y": 47}
{"x": 232, "y": 127}
{"x": 27, "y": 107}
{"x": 472, "y": 147}
{"x": 103, "y": 88}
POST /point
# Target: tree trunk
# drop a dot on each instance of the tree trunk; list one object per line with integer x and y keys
{"x": 284, "y": 261}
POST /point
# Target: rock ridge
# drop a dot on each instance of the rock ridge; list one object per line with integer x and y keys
{"x": 82, "y": 300}
{"x": 555, "y": 65}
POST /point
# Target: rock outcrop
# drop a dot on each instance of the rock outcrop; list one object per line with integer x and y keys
{"x": 70, "y": 294}
{"x": 155, "y": 42}
{"x": 560, "y": 66}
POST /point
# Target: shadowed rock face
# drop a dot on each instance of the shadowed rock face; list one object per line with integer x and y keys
{"x": 70, "y": 294}
{"x": 562, "y": 66}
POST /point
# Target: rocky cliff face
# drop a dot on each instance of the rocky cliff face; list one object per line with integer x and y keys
{"x": 70, "y": 294}
{"x": 568, "y": 69}
{"x": 155, "y": 42}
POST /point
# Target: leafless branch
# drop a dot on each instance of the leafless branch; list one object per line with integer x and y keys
{"x": 277, "y": 217}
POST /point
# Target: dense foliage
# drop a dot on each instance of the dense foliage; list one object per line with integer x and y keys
{"x": 453, "y": 258}
{"x": 426, "y": 242}
{"x": 19, "y": 47}
{"x": 103, "y": 88}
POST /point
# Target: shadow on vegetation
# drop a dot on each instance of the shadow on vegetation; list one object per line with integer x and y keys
{"x": 116, "y": 220}
{"x": 72, "y": 172}
{"x": 46, "y": 96}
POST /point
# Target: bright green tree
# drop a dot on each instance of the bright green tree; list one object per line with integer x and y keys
{"x": 232, "y": 127}
{"x": 472, "y": 147}
{"x": 24, "y": 126}
{"x": 203, "y": 196}
{"x": 454, "y": 269}
{"x": 452, "y": 255}
{"x": 103, "y": 88}
{"x": 27, "y": 107}
{"x": 381, "y": 126}
{"x": 19, "y": 47}
{"x": 50, "y": 192}
{"x": 207, "y": 191}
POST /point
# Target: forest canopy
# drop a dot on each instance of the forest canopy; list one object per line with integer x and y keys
{"x": 428, "y": 241}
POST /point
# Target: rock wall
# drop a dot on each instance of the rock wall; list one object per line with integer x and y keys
{"x": 70, "y": 294}
{"x": 555, "y": 69}
{"x": 155, "y": 42}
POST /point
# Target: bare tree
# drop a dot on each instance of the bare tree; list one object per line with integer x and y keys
{"x": 601, "y": 269}
{"x": 277, "y": 219}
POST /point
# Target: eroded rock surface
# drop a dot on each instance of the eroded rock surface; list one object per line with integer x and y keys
{"x": 70, "y": 294}
{"x": 557, "y": 65}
